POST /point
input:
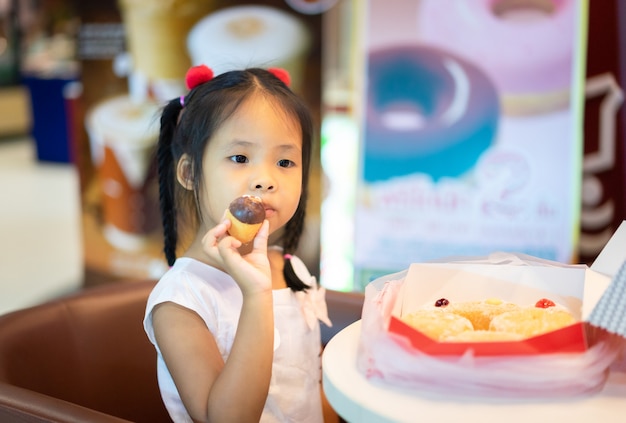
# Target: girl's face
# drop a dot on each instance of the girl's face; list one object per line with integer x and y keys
{"x": 257, "y": 151}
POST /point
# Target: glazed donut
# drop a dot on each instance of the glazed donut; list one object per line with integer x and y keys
{"x": 246, "y": 215}
{"x": 436, "y": 323}
{"x": 487, "y": 320}
{"x": 529, "y": 58}
{"x": 428, "y": 112}
{"x": 480, "y": 313}
{"x": 483, "y": 336}
{"x": 532, "y": 321}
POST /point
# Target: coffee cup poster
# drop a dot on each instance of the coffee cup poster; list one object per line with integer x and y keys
{"x": 471, "y": 132}
{"x": 134, "y": 57}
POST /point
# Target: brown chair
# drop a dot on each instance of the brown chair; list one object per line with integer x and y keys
{"x": 82, "y": 358}
{"x": 85, "y": 357}
{"x": 344, "y": 308}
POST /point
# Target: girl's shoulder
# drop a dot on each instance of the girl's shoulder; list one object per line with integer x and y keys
{"x": 196, "y": 286}
{"x": 187, "y": 268}
{"x": 190, "y": 282}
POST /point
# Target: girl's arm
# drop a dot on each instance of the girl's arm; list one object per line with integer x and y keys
{"x": 211, "y": 389}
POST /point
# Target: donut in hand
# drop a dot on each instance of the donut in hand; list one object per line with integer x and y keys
{"x": 246, "y": 214}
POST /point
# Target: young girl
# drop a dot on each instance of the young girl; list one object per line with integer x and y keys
{"x": 236, "y": 326}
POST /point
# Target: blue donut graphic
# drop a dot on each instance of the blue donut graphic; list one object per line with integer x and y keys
{"x": 428, "y": 112}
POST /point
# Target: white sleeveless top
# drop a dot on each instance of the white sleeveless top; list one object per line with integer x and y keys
{"x": 294, "y": 392}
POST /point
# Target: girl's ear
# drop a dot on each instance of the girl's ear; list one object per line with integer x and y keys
{"x": 184, "y": 174}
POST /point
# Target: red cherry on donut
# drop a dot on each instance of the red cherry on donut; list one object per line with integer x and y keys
{"x": 544, "y": 303}
{"x": 442, "y": 302}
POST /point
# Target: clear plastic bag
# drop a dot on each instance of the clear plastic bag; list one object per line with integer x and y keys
{"x": 390, "y": 359}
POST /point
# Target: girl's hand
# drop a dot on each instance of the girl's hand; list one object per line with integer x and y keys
{"x": 252, "y": 270}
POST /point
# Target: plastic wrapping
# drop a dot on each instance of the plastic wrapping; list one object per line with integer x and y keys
{"x": 390, "y": 358}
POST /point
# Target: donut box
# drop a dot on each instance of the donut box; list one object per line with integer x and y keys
{"x": 521, "y": 280}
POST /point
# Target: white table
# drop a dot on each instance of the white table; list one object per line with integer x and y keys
{"x": 357, "y": 399}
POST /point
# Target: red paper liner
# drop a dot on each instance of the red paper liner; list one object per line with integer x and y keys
{"x": 570, "y": 339}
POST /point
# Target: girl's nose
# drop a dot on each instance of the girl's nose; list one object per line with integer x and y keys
{"x": 264, "y": 187}
{"x": 263, "y": 182}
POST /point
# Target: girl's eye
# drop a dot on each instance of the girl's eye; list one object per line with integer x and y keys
{"x": 285, "y": 163}
{"x": 239, "y": 158}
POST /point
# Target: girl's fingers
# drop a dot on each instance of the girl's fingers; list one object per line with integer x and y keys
{"x": 260, "y": 240}
{"x": 227, "y": 248}
{"x": 216, "y": 236}
{"x": 215, "y": 233}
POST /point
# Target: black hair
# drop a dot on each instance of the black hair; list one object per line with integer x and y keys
{"x": 187, "y": 130}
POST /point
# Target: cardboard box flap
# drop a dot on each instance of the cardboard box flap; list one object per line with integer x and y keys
{"x": 613, "y": 254}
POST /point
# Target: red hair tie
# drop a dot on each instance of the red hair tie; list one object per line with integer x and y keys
{"x": 281, "y": 74}
{"x": 197, "y": 75}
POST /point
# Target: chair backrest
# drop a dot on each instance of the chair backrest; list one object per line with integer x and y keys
{"x": 88, "y": 350}
{"x": 86, "y": 358}
{"x": 344, "y": 308}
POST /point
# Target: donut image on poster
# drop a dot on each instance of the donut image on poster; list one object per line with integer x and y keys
{"x": 427, "y": 112}
{"x": 525, "y": 46}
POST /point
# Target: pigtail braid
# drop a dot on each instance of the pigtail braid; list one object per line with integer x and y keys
{"x": 293, "y": 232}
{"x": 295, "y": 227}
{"x": 167, "y": 177}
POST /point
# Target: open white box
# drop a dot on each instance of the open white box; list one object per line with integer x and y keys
{"x": 519, "y": 279}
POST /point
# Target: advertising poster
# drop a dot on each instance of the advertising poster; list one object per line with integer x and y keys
{"x": 134, "y": 55}
{"x": 471, "y": 132}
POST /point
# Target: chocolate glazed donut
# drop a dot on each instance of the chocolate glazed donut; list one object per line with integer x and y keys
{"x": 427, "y": 112}
{"x": 246, "y": 214}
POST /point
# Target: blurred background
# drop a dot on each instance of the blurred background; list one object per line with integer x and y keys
{"x": 442, "y": 131}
